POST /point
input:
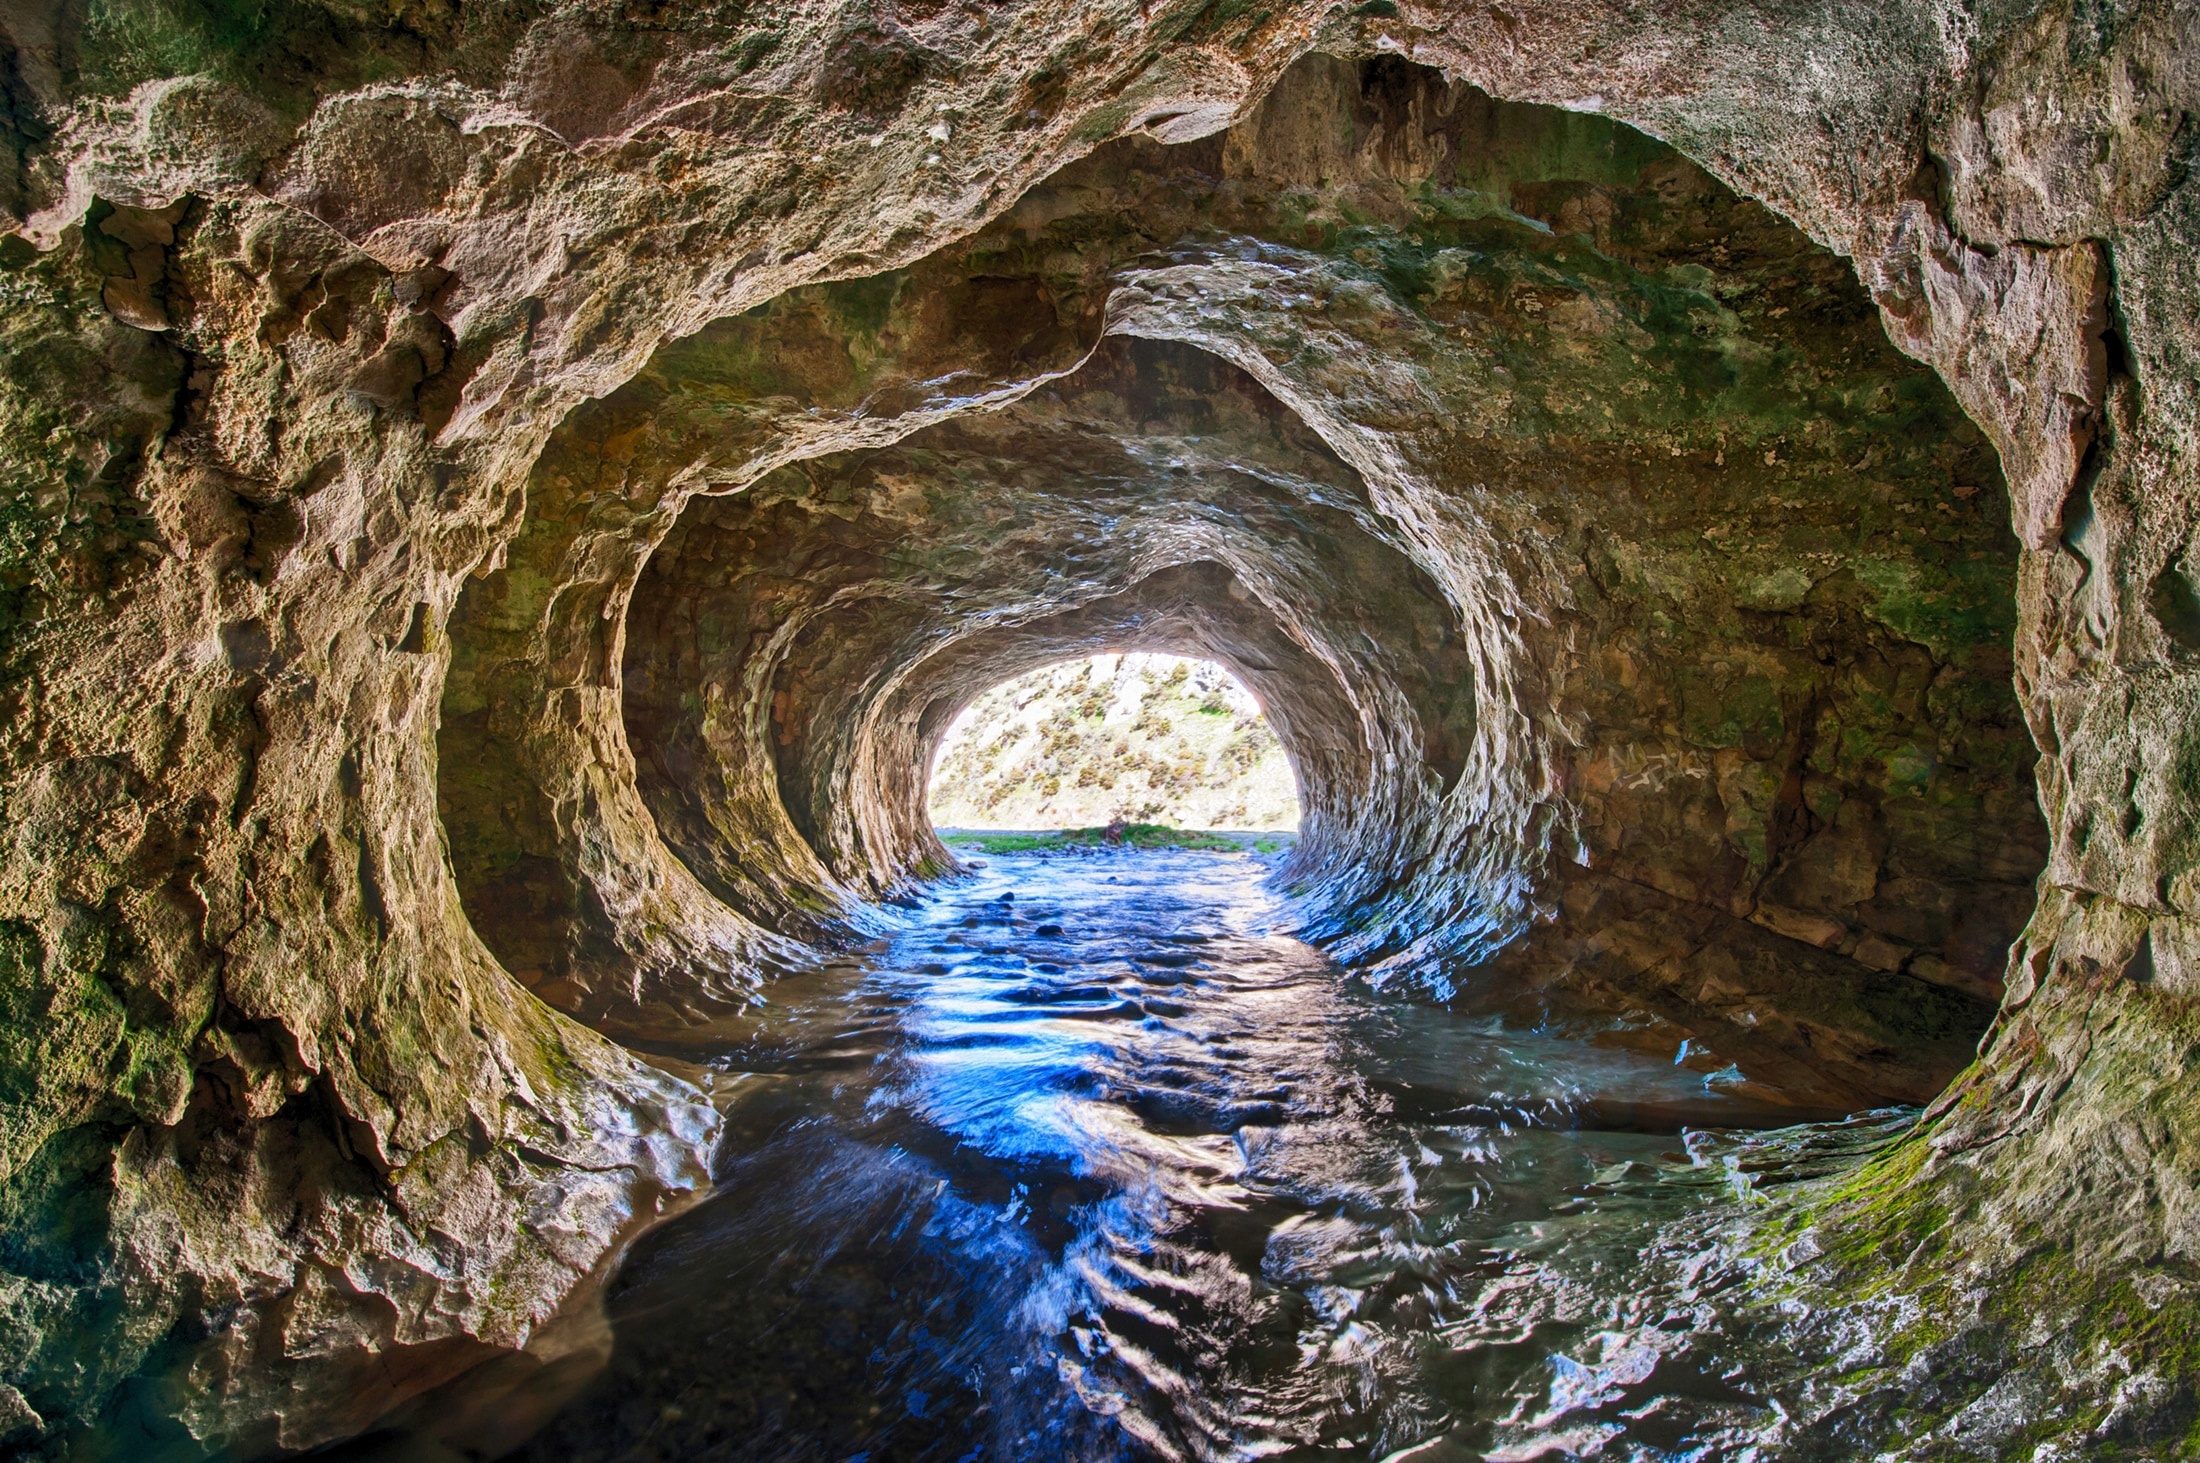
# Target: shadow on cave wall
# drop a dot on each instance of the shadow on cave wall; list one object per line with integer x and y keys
{"x": 1637, "y": 617}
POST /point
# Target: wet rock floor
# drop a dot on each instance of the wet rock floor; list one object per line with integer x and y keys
{"x": 1093, "y": 1161}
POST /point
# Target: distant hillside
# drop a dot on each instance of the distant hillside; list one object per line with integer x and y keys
{"x": 1141, "y": 738}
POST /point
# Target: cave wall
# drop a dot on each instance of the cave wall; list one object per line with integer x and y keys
{"x": 1668, "y": 565}
{"x": 296, "y": 300}
{"x": 1116, "y": 506}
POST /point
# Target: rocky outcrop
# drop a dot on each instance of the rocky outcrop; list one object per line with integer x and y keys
{"x": 499, "y": 505}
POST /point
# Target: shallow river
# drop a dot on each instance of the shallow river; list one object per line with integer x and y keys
{"x": 1093, "y": 1161}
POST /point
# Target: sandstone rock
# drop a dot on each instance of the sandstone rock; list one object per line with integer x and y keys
{"x": 512, "y": 492}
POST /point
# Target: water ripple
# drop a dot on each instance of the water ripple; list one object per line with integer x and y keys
{"x": 1092, "y": 1161}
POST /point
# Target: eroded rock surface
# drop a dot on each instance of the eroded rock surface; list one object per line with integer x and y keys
{"x": 1590, "y": 561}
{"x": 499, "y": 501}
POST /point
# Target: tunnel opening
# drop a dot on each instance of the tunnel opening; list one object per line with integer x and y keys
{"x": 1127, "y": 745}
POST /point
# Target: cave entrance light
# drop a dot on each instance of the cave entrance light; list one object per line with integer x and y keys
{"x": 1135, "y": 738}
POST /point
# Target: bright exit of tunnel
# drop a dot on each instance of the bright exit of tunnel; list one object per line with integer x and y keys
{"x": 1114, "y": 740}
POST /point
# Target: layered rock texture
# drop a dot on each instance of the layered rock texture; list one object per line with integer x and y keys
{"x": 501, "y": 503}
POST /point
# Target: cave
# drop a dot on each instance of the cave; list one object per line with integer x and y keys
{"x": 504, "y": 504}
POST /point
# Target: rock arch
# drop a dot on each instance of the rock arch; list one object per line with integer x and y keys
{"x": 273, "y": 405}
{"x": 1746, "y": 694}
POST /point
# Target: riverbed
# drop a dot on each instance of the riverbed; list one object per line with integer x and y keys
{"x": 1093, "y": 1159}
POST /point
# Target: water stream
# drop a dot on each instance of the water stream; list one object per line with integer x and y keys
{"x": 1093, "y": 1161}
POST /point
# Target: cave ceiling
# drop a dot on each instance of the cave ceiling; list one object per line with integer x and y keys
{"x": 1547, "y": 465}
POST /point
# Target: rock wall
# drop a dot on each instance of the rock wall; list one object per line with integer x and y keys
{"x": 1713, "y": 600}
{"x": 522, "y": 487}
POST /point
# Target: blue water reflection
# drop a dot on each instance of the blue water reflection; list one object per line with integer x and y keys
{"x": 1093, "y": 1160}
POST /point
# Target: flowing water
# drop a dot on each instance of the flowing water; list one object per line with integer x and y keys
{"x": 1094, "y": 1161}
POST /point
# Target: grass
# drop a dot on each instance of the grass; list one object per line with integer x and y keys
{"x": 1134, "y": 835}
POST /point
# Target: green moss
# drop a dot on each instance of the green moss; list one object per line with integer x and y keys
{"x": 1102, "y": 122}
{"x": 1911, "y": 768}
{"x": 127, "y": 41}
{"x": 287, "y": 52}
{"x": 1537, "y": 144}
{"x": 2185, "y": 766}
{"x": 70, "y": 1051}
{"x": 1135, "y": 835}
{"x": 1716, "y": 712}
{"x": 1948, "y": 607}
{"x": 1878, "y": 1233}
{"x": 1216, "y": 16}
{"x": 1887, "y": 1232}
{"x": 837, "y": 333}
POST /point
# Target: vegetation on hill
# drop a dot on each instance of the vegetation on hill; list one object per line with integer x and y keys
{"x": 1147, "y": 740}
{"x": 1116, "y": 835}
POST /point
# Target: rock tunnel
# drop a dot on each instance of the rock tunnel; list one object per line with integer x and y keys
{"x": 1121, "y": 450}
{"x": 503, "y": 508}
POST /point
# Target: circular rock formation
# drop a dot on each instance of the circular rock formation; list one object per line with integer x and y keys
{"x": 500, "y": 505}
{"x": 1539, "y": 534}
